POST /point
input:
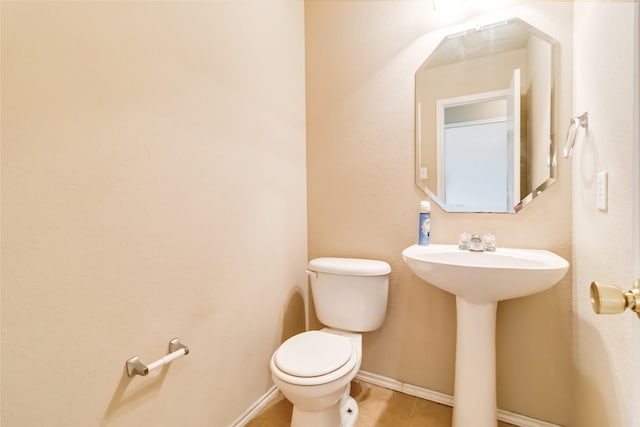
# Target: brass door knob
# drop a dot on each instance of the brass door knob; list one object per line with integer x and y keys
{"x": 610, "y": 299}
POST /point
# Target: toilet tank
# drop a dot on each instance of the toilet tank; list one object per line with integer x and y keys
{"x": 350, "y": 294}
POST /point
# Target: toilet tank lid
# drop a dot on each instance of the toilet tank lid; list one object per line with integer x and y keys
{"x": 349, "y": 266}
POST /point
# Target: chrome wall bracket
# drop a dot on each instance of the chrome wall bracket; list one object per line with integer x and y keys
{"x": 581, "y": 121}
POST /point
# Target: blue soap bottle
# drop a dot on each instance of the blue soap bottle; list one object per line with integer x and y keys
{"x": 424, "y": 226}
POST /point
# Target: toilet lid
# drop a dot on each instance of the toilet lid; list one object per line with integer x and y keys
{"x": 313, "y": 353}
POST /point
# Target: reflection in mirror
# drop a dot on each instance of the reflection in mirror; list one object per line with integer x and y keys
{"x": 484, "y": 114}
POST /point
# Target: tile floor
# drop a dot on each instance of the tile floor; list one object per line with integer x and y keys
{"x": 378, "y": 407}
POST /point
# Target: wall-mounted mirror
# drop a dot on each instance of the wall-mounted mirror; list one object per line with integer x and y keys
{"x": 484, "y": 118}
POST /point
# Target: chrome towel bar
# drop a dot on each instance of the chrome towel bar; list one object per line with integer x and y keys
{"x": 136, "y": 367}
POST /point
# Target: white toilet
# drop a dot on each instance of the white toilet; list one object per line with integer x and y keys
{"x": 314, "y": 369}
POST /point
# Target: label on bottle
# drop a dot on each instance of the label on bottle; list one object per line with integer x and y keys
{"x": 424, "y": 232}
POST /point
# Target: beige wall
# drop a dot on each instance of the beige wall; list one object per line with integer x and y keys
{"x": 361, "y": 57}
{"x": 603, "y": 240}
{"x": 153, "y": 186}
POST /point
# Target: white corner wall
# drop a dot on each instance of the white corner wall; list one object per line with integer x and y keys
{"x": 605, "y": 60}
{"x": 635, "y": 396}
{"x": 153, "y": 186}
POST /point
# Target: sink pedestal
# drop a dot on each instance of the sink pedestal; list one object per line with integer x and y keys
{"x": 479, "y": 280}
{"x": 474, "y": 397}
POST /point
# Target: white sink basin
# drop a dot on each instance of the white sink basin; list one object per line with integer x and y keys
{"x": 483, "y": 277}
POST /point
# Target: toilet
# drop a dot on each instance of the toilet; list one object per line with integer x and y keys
{"x": 314, "y": 369}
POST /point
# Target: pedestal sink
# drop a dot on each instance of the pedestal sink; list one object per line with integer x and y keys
{"x": 479, "y": 280}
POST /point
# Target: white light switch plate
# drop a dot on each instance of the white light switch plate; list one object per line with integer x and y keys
{"x": 602, "y": 190}
{"x": 423, "y": 172}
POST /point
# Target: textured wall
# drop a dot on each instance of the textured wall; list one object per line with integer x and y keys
{"x": 153, "y": 186}
{"x": 604, "y": 69}
{"x": 361, "y": 57}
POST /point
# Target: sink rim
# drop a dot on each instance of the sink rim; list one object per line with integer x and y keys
{"x": 486, "y": 277}
{"x": 547, "y": 259}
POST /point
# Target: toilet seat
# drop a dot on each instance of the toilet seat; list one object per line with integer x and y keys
{"x": 313, "y": 353}
{"x": 313, "y": 358}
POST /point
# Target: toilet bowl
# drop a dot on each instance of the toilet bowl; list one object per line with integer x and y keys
{"x": 314, "y": 369}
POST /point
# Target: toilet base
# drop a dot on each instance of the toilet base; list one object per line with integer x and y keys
{"x": 349, "y": 412}
{"x": 343, "y": 414}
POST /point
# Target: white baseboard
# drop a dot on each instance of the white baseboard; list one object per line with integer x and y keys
{"x": 272, "y": 394}
{"x": 509, "y": 417}
{"x": 444, "y": 399}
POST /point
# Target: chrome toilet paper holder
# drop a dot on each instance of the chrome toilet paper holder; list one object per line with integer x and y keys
{"x": 136, "y": 367}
